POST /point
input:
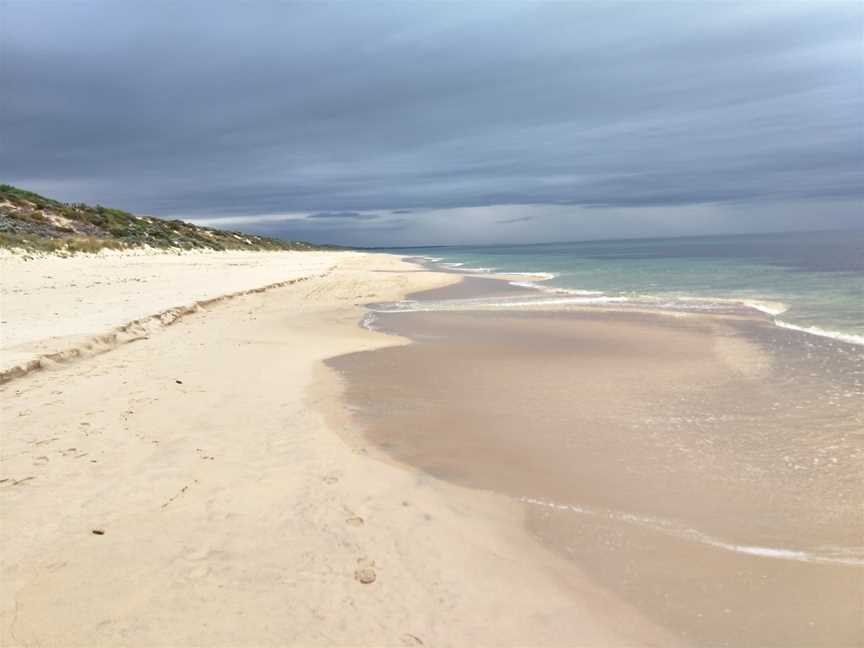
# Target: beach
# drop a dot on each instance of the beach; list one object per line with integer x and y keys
{"x": 704, "y": 468}
{"x": 192, "y": 485}
{"x": 61, "y": 307}
{"x": 523, "y": 324}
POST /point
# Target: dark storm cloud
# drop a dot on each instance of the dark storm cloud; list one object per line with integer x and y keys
{"x": 215, "y": 110}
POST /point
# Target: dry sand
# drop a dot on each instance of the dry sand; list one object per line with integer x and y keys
{"x": 55, "y": 307}
{"x": 191, "y": 488}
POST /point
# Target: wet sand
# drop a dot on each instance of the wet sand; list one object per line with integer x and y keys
{"x": 707, "y": 470}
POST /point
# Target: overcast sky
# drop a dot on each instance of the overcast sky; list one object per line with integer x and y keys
{"x": 441, "y": 122}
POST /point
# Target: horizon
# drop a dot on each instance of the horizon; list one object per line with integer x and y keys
{"x": 624, "y": 238}
{"x": 398, "y": 125}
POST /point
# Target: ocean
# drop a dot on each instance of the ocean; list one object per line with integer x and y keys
{"x": 810, "y": 281}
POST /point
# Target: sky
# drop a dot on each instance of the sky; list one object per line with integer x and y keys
{"x": 409, "y": 122}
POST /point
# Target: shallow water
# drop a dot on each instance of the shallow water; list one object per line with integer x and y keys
{"x": 812, "y": 280}
{"x": 707, "y": 469}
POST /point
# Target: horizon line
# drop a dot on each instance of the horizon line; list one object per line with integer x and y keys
{"x": 606, "y": 240}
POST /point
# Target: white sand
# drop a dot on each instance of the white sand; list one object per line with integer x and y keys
{"x": 233, "y": 513}
{"x": 53, "y": 305}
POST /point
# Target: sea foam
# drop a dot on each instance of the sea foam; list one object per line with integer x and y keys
{"x": 583, "y": 297}
{"x": 850, "y": 338}
{"x": 852, "y": 556}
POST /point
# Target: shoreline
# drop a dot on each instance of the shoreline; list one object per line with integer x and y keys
{"x": 563, "y": 296}
{"x": 505, "y": 360}
{"x": 189, "y": 489}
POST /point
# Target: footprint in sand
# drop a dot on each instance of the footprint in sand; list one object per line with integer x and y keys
{"x": 355, "y": 521}
{"x": 330, "y": 479}
{"x": 365, "y": 572}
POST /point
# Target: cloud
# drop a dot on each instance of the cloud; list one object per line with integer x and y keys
{"x": 343, "y": 215}
{"x": 254, "y": 219}
{"x": 518, "y": 219}
{"x": 243, "y": 111}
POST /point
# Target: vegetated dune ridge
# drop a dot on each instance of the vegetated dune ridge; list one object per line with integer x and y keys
{"x": 32, "y": 222}
{"x": 57, "y": 306}
{"x": 191, "y": 489}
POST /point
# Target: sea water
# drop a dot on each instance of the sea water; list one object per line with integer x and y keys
{"x": 812, "y": 281}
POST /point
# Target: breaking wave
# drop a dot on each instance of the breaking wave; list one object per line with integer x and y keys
{"x": 558, "y": 297}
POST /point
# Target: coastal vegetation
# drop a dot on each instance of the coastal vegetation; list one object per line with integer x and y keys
{"x": 35, "y": 223}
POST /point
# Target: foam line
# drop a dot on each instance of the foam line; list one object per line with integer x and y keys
{"x": 595, "y": 297}
{"x": 816, "y": 330}
{"x": 830, "y": 556}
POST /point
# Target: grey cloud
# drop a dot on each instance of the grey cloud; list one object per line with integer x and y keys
{"x": 518, "y": 219}
{"x": 224, "y": 109}
{"x": 343, "y": 215}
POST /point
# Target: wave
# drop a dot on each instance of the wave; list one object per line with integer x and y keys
{"x": 537, "y": 276}
{"x": 564, "y": 298}
{"x": 851, "y": 338}
{"x": 368, "y": 321}
{"x": 551, "y": 289}
{"x": 853, "y": 556}
{"x": 763, "y": 306}
{"x": 567, "y": 297}
{"x": 461, "y": 267}
{"x": 412, "y": 306}
{"x": 772, "y": 308}
{"x": 675, "y": 303}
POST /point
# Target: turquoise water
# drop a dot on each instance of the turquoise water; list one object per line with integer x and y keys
{"x": 813, "y": 281}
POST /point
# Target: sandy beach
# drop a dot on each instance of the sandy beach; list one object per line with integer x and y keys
{"x": 522, "y": 324}
{"x": 193, "y": 485}
{"x": 56, "y": 308}
{"x": 706, "y": 469}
